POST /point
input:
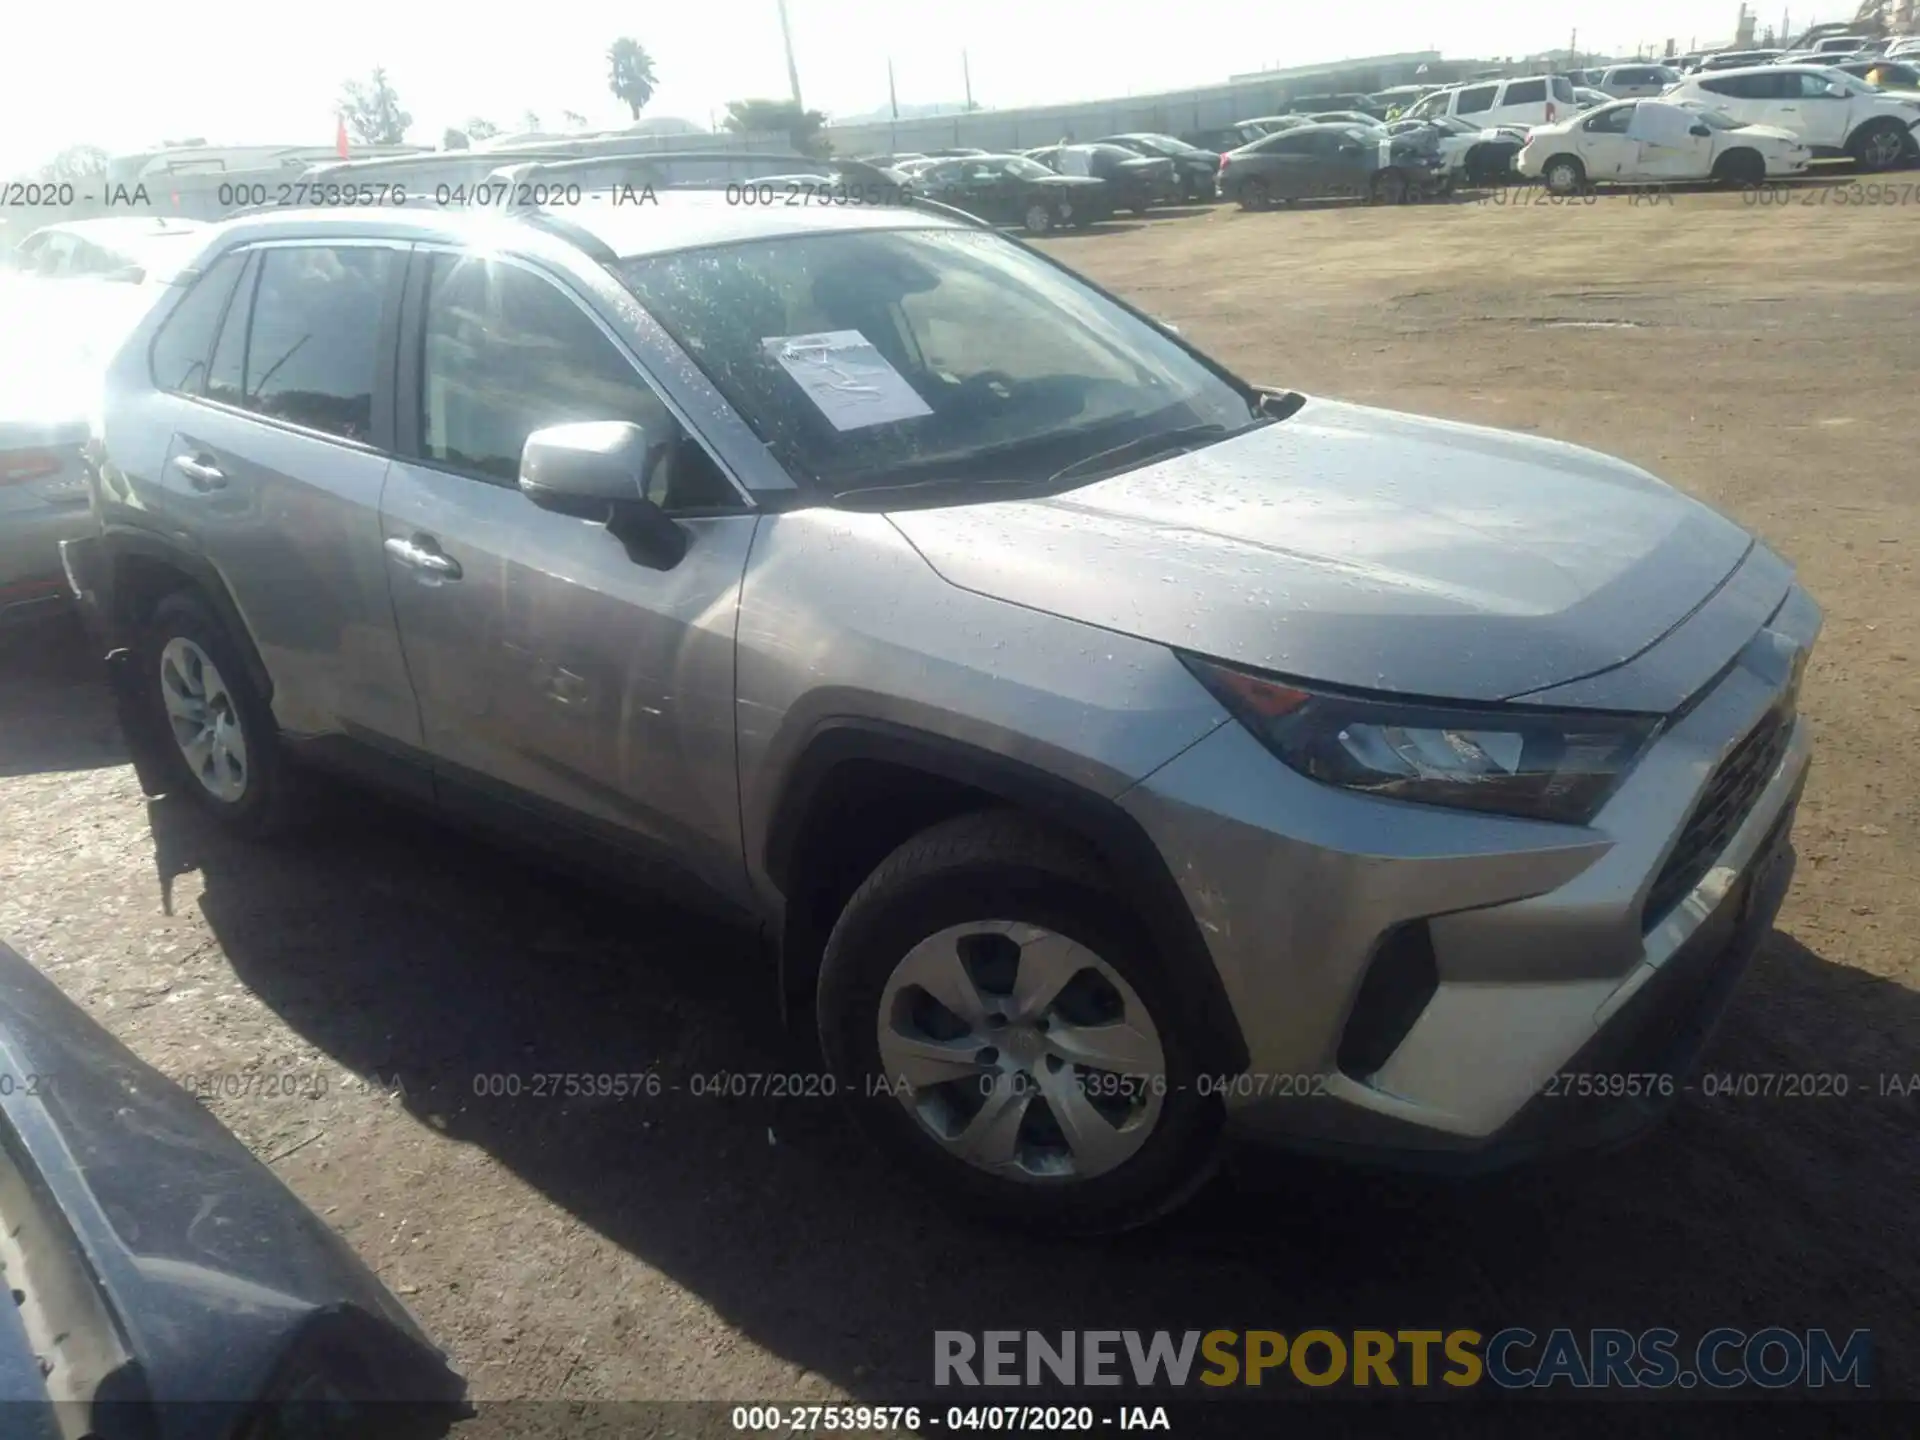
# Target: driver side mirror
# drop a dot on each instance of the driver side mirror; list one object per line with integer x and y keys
{"x": 1837, "y": 91}
{"x": 1703, "y": 131}
{"x": 596, "y": 470}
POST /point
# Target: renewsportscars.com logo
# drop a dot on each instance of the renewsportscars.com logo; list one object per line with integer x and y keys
{"x": 1774, "y": 1358}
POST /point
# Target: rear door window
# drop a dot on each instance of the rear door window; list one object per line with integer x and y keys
{"x": 1475, "y": 99}
{"x": 226, "y": 375}
{"x": 178, "y": 360}
{"x": 313, "y": 343}
{"x": 1525, "y": 92}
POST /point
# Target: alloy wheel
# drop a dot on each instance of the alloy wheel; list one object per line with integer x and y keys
{"x": 204, "y": 720}
{"x": 1882, "y": 149}
{"x": 1021, "y": 1052}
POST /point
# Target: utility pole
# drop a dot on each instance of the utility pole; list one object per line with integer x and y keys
{"x": 893, "y": 97}
{"x": 966, "y": 78}
{"x": 786, "y": 36}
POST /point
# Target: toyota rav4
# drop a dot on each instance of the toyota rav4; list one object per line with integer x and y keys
{"x": 1116, "y": 754}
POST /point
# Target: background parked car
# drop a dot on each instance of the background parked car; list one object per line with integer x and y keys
{"x": 1627, "y": 82}
{"x": 1739, "y": 59}
{"x": 68, "y": 294}
{"x": 1345, "y": 100}
{"x": 123, "y": 248}
{"x": 1013, "y": 190}
{"x": 1642, "y": 141}
{"x": 1134, "y": 182}
{"x": 1332, "y": 162}
{"x": 1834, "y": 113}
{"x": 1896, "y": 77}
{"x": 1193, "y": 166}
{"x": 1347, "y": 117}
{"x": 1526, "y": 100}
{"x": 1473, "y": 154}
{"x": 1585, "y": 98}
{"x": 1391, "y": 102}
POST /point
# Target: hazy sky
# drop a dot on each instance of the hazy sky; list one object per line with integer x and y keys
{"x": 125, "y": 76}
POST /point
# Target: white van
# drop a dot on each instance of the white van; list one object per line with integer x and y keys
{"x": 1522, "y": 101}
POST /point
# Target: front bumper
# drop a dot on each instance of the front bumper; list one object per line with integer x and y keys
{"x": 1539, "y": 967}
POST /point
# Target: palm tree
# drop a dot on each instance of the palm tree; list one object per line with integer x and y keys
{"x": 631, "y": 78}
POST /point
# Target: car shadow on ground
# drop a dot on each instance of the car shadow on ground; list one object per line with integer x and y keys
{"x": 420, "y": 957}
{"x": 417, "y": 955}
{"x": 53, "y": 713}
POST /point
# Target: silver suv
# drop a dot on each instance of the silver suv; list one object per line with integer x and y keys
{"x": 1115, "y": 753}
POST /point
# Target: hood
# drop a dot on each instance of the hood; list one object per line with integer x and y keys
{"x": 1360, "y": 547}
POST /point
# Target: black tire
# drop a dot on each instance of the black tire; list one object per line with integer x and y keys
{"x": 1038, "y": 219}
{"x": 1564, "y": 175}
{"x": 1001, "y": 865}
{"x": 1389, "y": 187}
{"x": 265, "y": 805}
{"x": 1254, "y": 195}
{"x": 1743, "y": 169}
{"x": 1880, "y": 145}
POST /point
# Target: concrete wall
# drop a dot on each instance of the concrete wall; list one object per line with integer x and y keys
{"x": 1173, "y": 112}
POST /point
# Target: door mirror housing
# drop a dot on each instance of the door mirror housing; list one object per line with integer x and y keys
{"x": 1703, "y": 131}
{"x": 1838, "y": 91}
{"x": 596, "y": 470}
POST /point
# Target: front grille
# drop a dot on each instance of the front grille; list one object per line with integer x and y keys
{"x": 1729, "y": 795}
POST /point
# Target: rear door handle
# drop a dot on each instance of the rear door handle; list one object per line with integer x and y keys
{"x": 422, "y": 553}
{"x": 203, "y": 475}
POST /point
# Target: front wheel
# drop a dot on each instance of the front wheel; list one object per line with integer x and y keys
{"x": 1039, "y": 219}
{"x": 1255, "y": 196}
{"x": 1741, "y": 168}
{"x": 1008, "y": 1036}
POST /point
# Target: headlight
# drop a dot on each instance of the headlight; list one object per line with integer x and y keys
{"x": 1538, "y": 764}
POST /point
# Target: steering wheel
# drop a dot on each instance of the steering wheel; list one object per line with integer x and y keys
{"x": 981, "y": 382}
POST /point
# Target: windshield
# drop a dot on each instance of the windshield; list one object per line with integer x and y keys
{"x": 1021, "y": 168}
{"x": 1716, "y": 120}
{"x": 886, "y": 357}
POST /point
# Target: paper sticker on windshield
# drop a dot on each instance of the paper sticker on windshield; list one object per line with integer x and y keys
{"x": 847, "y": 378}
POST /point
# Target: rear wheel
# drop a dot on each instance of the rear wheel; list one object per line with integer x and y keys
{"x": 1009, "y": 1038}
{"x": 1254, "y": 195}
{"x": 225, "y": 754}
{"x": 1564, "y": 175}
{"x": 1389, "y": 188}
{"x": 1879, "y": 145}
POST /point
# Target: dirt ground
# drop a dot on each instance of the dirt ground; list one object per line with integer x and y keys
{"x": 1763, "y": 357}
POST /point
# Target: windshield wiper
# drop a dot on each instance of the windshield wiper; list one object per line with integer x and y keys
{"x": 1146, "y": 447}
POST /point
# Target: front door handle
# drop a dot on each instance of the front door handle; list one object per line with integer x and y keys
{"x": 203, "y": 475}
{"x": 421, "y": 553}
